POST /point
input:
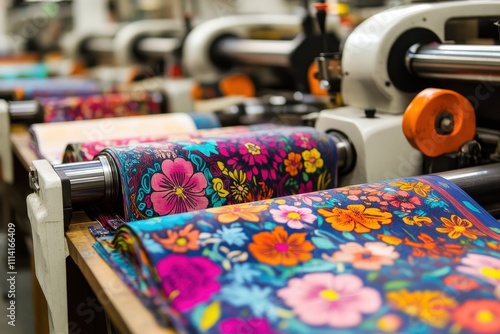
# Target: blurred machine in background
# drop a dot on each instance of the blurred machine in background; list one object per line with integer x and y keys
{"x": 395, "y": 55}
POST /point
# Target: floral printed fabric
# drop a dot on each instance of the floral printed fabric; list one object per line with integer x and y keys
{"x": 179, "y": 176}
{"x": 413, "y": 255}
{"x": 102, "y": 106}
{"x": 88, "y": 150}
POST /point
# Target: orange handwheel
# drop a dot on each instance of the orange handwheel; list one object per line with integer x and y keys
{"x": 439, "y": 121}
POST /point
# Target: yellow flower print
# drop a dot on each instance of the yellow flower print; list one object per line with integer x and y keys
{"x": 231, "y": 213}
{"x": 218, "y": 186}
{"x": 431, "y": 307}
{"x": 312, "y": 160}
{"x": 239, "y": 186}
{"x": 456, "y": 226}
{"x": 422, "y": 189}
{"x": 252, "y": 148}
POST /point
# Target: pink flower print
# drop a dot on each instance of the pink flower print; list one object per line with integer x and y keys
{"x": 307, "y": 197}
{"x": 371, "y": 256}
{"x": 188, "y": 281}
{"x": 402, "y": 199}
{"x": 293, "y": 216}
{"x": 304, "y": 140}
{"x": 238, "y": 325}
{"x": 337, "y": 301}
{"x": 482, "y": 266}
{"x": 178, "y": 189}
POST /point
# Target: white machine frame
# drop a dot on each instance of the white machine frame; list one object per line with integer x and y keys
{"x": 382, "y": 150}
{"x": 45, "y": 211}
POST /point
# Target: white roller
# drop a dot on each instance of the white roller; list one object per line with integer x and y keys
{"x": 196, "y": 58}
{"x": 124, "y": 39}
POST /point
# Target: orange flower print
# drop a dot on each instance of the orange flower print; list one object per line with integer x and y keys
{"x": 264, "y": 193}
{"x": 460, "y": 283}
{"x": 278, "y": 248}
{"x": 293, "y": 164}
{"x": 433, "y": 248}
{"x": 431, "y": 307}
{"x": 389, "y": 239}
{"x": 455, "y": 227}
{"x": 493, "y": 245}
{"x": 231, "y": 213}
{"x": 417, "y": 220}
{"x": 422, "y": 189}
{"x": 180, "y": 242}
{"x": 356, "y": 218}
{"x": 312, "y": 160}
{"x": 479, "y": 316}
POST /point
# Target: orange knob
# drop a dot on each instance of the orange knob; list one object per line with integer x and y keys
{"x": 439, "y": 121}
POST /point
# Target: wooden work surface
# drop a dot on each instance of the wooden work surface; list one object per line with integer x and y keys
{"x": 20, "y": 140}
{"x": 124, "y": 308}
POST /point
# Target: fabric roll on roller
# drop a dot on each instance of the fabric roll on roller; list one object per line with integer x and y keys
{"x": 102, "y": 106}
{"x": 24, "y": 70}
{"x": 414, "y": 254}
{"x": 26, "y": 89}
{"x": 49, "y": 140}
{"x": 78, "y": 152}
{"x": 173, "y": 177}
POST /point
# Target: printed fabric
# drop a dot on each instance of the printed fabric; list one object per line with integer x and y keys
{"x": 25, "y": 89}
{"x": 414, "y": 255}
{"x": 26, "y": 70}
{"x": 102, "y": 106}
{"x": 78, "y": 152}
{"x": 173, "y": 177}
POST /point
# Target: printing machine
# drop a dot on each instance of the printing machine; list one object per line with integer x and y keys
{"x": 384, "y": 65}
{"x": 225, "y": 44}
{"x": 393, "y": 56}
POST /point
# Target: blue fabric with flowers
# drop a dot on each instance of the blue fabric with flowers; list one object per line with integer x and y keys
{"x": 414, "y": 255}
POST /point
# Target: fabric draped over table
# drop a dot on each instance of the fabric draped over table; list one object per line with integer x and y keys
{"x": 406, "y": 256}
{"x": 172, "y": 177}
{"x": 61, "y": 109}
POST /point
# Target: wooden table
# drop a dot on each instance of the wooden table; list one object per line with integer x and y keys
{"x": 123, "y": 307}
{"x": 20, "y": 140}
{"x": 126, "y": 311}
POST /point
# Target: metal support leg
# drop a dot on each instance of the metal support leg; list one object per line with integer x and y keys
{"x": 45, "y": 211}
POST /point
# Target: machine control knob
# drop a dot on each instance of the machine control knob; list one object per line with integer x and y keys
{"x": 370, "y": 112}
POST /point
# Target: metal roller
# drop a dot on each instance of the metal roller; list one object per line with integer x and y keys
{"x": 27, "y": 112}
{"x": 157, "y": 47}
{"x": 99, "y": 45}
{"x": 98, "y": 180}
{"x": 480, "y": 182}
{"x": 457, "y": 62}
{"x": 254, "y": 52}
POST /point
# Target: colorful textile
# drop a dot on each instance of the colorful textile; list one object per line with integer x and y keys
{"x": 173, "y": 177}
{"x": 413, "y": 255}
{"x": 25, "y": 89}
{"x": 88, "y": 150}
{"x": 27, "y": 70}
{"x": 102, "y": 106}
